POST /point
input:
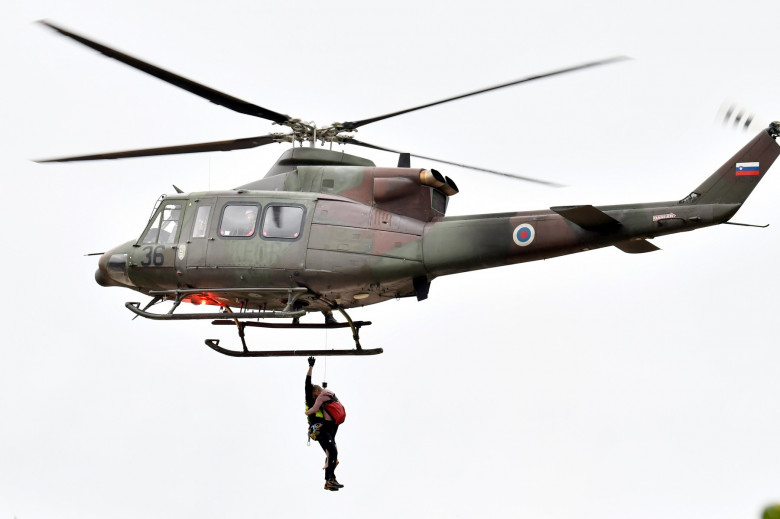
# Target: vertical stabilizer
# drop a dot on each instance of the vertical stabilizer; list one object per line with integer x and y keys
{"x": 733, "y": 182}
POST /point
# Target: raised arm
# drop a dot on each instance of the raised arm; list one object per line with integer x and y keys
{"x": 308, "y": 387}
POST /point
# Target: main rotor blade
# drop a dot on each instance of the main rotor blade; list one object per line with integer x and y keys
{"x": 212, "y": 95}
{"x": 236, "y": 144}
{"x": 356, "y": 124}
{"x": 350, "y": 140}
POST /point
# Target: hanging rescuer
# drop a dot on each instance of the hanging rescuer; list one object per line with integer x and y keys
{"x": 325, "y": 413}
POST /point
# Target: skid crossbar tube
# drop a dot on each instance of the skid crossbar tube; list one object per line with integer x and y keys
{"x": 134, "y": 307}
{"x": 299, "y": 326}
{"x": 214, "y": 345}
{"x": 241, "y": 325}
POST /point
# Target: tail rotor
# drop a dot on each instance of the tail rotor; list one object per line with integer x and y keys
{"x": 732, "y": 115}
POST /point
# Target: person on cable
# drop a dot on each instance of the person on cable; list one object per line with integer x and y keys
{"x": 322, "y": 428}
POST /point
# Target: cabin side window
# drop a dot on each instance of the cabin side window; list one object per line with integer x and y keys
{"x": 201, "y": 221}
{"x": 282, "y": 221}
{"x": 238, "y": 220}
{"x": 165, "y": 224}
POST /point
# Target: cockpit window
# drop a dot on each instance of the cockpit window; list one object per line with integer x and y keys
{"x": 238, "y": 220}
{"x": 166, "y": 222}
{"x": 282, "y": 221}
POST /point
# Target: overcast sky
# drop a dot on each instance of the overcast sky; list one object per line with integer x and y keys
{"x": 596, "y": 385}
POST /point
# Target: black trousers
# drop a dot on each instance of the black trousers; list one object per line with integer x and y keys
{"x": 327, "y": 440}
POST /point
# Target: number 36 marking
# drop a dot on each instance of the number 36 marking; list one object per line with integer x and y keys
{"x": 154, "y": 256}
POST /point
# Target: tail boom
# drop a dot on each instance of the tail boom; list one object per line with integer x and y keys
{"x": 460, "y": 244}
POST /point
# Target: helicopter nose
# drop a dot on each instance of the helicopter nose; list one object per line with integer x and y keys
{"x": 112, "y": 271}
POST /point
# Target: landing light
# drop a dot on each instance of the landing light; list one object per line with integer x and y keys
{"x": 360, "y": 296}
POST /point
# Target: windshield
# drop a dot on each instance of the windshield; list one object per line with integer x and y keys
{"x": 164, "y": 225}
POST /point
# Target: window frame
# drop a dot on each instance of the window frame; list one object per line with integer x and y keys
{"x": 283, "y": 204}
{"x": 259, "y": 207}
{"x": 198, "y": 209}
{"x": 158, "y": 220}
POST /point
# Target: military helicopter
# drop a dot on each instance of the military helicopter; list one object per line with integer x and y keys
{"x": 326, "y": 231}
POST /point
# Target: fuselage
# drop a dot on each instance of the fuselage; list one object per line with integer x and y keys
{"x": 342, "y": 232}
{"x": 352, "y": 253}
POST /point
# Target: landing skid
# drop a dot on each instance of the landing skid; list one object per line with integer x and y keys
{"x": 214, "y": 345}
{"x": 227, "y": 317}
{"x": 246, "y": 352}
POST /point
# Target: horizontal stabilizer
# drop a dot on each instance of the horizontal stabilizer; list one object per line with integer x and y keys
{"x": 636, "y": 246}
{"x": 587, "y": 217}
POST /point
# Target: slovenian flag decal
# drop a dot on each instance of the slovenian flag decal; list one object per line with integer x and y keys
{"x": 745, "y": 169}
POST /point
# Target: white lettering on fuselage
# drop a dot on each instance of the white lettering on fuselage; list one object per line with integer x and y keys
{"x": 664, "y": 216}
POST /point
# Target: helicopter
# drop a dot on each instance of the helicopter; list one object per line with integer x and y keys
{"x": 325, "y": 231}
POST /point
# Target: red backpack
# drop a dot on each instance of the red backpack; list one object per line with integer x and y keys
{"x": 336, "y": 410}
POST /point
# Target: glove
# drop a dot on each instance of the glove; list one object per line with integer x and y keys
{"x": 311, "y": 361}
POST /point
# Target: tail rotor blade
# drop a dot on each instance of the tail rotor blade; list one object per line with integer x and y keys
{"x": 732, "y": 115}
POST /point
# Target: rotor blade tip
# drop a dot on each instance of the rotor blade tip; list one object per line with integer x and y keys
{"x": 47, "y": 23}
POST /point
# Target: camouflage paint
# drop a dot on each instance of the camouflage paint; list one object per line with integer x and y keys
{"x": 373, "y": 233}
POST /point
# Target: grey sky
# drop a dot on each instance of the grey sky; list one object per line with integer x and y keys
{"x": 654, "y": 395}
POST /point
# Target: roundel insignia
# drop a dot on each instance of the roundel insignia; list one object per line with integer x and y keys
{"x": 181, "y": 251}
{"x": 523, "y": 234}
